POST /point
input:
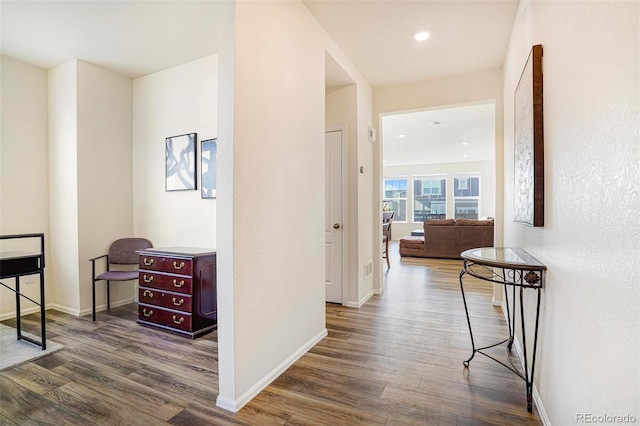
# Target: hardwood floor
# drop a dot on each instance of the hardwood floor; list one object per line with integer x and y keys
{"x": 395, "y": 361}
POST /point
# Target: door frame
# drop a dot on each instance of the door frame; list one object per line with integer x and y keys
{"x": 345, "y": 220}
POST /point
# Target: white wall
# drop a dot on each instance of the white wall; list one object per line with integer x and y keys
{"x": 63, "y": 188}
{"x": 173, "y": 102}
{"x": 590, "y": 318}
{"x": 456, "y": 90}
{"x": 23, "y": 166}
{"x": 89, "y": 179}
{"x": 278, "y": 270}
{"x": 487, "y": 188}
{"x": 278, "y": 200}
{"x": 104, "y": 151}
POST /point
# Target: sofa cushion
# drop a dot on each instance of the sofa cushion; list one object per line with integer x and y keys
{"x": 473, "y": 222}
{"x": 409, "y": 240}
{"x": 439, "y": 222}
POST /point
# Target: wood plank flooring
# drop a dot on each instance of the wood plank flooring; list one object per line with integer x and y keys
{"x": 395, "y": 361}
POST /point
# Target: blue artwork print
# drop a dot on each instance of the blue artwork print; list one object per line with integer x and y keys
{"x": 180, "y": 162}
{"x": 209, "y": 168}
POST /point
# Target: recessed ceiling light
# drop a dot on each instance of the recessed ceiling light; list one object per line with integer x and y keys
{"x": 465, "y": 156}
{"x": 465, "y": 143}
{"x": 421, "y": 36}
{"x": 401, "y": 136}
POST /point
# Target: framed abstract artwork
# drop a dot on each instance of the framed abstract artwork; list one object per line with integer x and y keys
{"x": 180, "y": 162}
{"x": 529, "y": 143}
{"x": 208, "y": 167}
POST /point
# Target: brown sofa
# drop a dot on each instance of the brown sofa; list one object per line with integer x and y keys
{"x": 447, "y": 238}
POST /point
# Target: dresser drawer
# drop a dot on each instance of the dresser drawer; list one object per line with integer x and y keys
{"x": 173, "y": 319}
{"x": 171, "y": 265}
{"x": 165, "y": 282}
{"x": 167, "y": 299}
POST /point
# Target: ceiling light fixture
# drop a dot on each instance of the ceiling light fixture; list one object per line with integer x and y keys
{"x": 401, "y": 136}
{"x": 465, "y": 143}
{"x": 421, "y": 36}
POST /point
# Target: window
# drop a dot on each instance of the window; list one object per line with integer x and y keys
{"x": 466, "y": 195}
{"x": 395, "y": 198}
{"x": 429, "y": 198}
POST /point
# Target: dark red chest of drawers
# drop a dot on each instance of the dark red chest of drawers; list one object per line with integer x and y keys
{"x": 177, "y": 290}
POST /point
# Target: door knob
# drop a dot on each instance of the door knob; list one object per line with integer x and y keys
{"x": 336, "y": 226}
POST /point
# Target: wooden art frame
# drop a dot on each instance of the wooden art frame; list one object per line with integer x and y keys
{"x": 529, "y": 143}
{"x": 180, "y": 162}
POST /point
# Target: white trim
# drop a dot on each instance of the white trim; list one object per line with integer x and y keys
{"x": 31, "y": 310}
{"x": 103, "y": 307}
{"x": 236, "y": 405}
{"x": 361, "y": 301}
{"x": 65, "y": 309}
{"x": 378, "y": 291}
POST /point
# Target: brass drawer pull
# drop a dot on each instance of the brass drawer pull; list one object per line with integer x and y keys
{"x": 178, "y": 303}
{"x": 148, "y": 293}
{"x": 147, "y": 279}
{"x": 175, "y": 265}
{"x": 178, "y": 284}
{"x": 148, "y": 262}
{"x": 180, "y": 321}
{"x": 148, "y": 314}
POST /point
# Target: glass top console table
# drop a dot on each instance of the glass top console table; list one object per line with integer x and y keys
{"x": 516, "y": 268}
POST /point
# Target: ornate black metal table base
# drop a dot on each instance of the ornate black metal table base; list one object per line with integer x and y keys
{"x": 511, "y": 267}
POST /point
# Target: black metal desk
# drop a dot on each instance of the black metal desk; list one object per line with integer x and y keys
{"x": 516, "y": 268}
{"x": 16, "y": 264}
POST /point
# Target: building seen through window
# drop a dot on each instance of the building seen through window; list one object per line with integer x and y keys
{"x": 429, "y": 198}
{"x": 395, "y": 198}
{"x": 466, "y": 194}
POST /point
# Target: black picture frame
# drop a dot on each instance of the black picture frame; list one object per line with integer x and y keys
{"x": 180, "y": 162}
{"x": 529, "y": 143}
{"x": 209, "y": 168}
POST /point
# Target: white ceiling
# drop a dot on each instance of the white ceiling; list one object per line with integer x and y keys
{"x": 132, "y": 38}
{"x": 466, "y": 36}
{"x": 447, "y": 135}
{"x": 136, "y": 38}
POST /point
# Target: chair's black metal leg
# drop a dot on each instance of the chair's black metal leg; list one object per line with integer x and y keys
{"x": 108, "y": 297}
{"x": 93, "y": 289}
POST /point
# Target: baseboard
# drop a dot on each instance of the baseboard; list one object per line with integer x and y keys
{"x": 236, "y": 405}
{"x": 65, "y": 309}
{"x": 103, "y": 307}
{"x": 379, "y": 291}
{"x": 361, "y": 301}
{"x": 537, "y": 399}
{"x": 23, "y": 311}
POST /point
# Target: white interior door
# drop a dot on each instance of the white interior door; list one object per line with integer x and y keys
{"x": 333, "y": 216}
